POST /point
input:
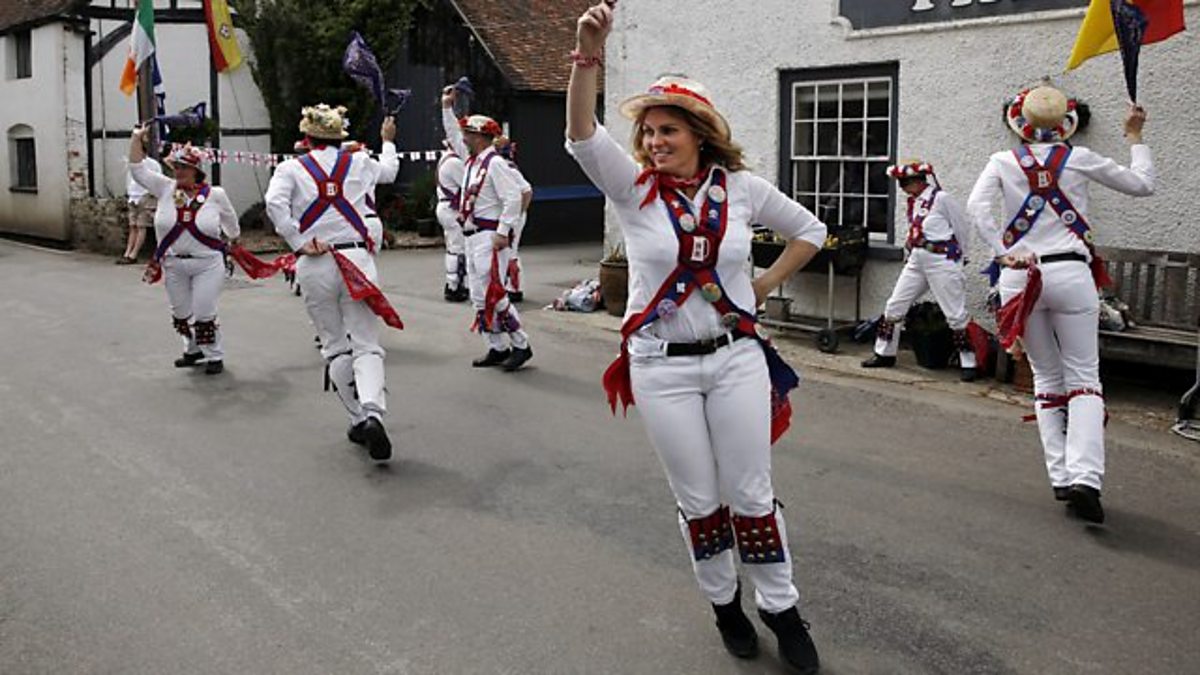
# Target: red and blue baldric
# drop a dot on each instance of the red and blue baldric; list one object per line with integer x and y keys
{"x": 466, "y": 211}
{"x": 917, "y": 213}
{"x": 453, "y": 197}
{"x": 1044, "y": 191}
{"x": 330, "y": 193}
{"x": 185, "y": 221}
{"x": 699, "y": 247}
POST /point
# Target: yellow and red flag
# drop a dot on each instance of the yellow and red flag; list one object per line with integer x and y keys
{"x": 1098, "y": 34}
{"x": 221, "y": 38}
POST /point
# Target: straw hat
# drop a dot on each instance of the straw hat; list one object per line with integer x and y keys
{"x": 677, "y": 91}
{"x": 1043, "y": 115}
{"x": 324, "y": 122}
{"x": 480, "y": 124}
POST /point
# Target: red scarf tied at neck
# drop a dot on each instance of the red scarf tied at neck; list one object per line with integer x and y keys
{"x": 664, "y": 181}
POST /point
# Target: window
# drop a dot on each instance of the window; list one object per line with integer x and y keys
{"x": 23, "y": 164}
{"x": 838, "y": 135}
{"x": 20, "y": 55}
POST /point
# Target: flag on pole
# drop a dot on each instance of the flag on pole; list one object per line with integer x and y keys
{"x": 221, "y": 38}
{"x": 1110, "y": 25}
{"x": 141, "y": 45}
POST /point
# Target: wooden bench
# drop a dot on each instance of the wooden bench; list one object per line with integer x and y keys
{"x": 1162, "y": 289}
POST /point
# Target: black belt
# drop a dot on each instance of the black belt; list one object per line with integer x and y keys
{"x": 703, "y": 347}
{"x": 349, "y": 244}
{"x": 1062, "y": 257}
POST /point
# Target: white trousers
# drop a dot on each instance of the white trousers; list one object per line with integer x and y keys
{"x": 349, "y": 332}
{"x": 1061, "y": 341}
{"x": 456, "y": 245}
{"x": 925, "y": 271}
{"x": 516, "y": 271}
{"x": 479, "y": 270}
{"x": 193, "y": 288}
{"x": 709, "y": 418}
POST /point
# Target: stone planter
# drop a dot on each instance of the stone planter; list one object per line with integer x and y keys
{"x": 614, "y": 285}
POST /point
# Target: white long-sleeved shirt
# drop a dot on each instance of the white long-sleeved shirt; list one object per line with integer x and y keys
{"x": 292, "y": 189}
{"x": 946, "y": 218}
{"x": 652, "y": 247}
{"x": 133, "y": 189}
{"x": 215, "y": 216}
{"x": 450, "y": 172}
{"x": 1003, "y": 187}
{"x": 500, "y": 197}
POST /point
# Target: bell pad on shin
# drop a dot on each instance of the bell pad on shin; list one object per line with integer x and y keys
{"x": 206, "y": 332}
{"x": 183, "y": 326}
{"x": 759, "y": 540}
{"x": 711, "y": 534}
{"x": 885, "y": 329}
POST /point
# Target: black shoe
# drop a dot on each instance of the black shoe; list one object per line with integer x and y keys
{"x": 737, "y": 632}
{"x": 379, "y": 446}
{"x": 516, "y": 296}
{"x": 463, "y": 294}
{"x": 796, "y": 647}
{"x": 214, "y": 367}
{"x": 1060, "y": 494}
{"x": 189, "y": 359}
{"x": 517, "y": 359}
{"x": 877, "y": 361}
{"x": 492, "y": 358}
{"x": 969, "y": 375}
{"x": 452, "y": 294}
{"x": 357, "y": 433}
{"x": 1086, "y": 502}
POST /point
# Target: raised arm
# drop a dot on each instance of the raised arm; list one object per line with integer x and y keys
{"x": 155, "y": 182}
{"x": 591, "y": 32}
{"x": 450, "y": 124}
{"x": 388, "y": 164}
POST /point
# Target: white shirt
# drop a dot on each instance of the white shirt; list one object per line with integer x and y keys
{"x": 215, "y": 216}
{"x": 133, "y": 189}
{"x": 450, "y": 176}
{"x": 292, "y": 190}
{"x": 1003, "y": 186}
{"x": 653, "y": 248}
{"x": 500, "y": 196}
{"x": 946, "y": 219}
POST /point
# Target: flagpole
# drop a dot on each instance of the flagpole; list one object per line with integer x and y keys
{"x": 145, "y": 104}
{"x": 215, "y": 107}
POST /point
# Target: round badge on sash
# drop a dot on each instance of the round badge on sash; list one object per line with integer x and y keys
{"x": 687, "y": 223}
{"x": 1021, "y": 224}
{"x": 1028, "y": 161}
{"x": 1009, "y": 238}
{"x": 666, "y": 308}
{"x": 923, "y": 211}
{"x": 711, "y": 292}
{"x": 1036, "y": 202}
{"x": 761, "y": 332}
{"x": 730, "y": 320}
{"x": 1056, "y": 201}
{"x": 717, "y": 194}
{"x": 1069, "y": 217}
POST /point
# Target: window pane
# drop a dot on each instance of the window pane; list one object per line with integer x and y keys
{"x": 878, "y": 139}
{"x": 827, "y": 210}
{"x": 877, "y": 179}
{"x": 827, "y": 139}
{"x": 877, "y": 215}
{"x": 879, "y": 99}
{"x": 852, "y": 139}
{"x": 803, "y": 143}
{"x": 24, "y": 54}
{"x": 827, "y": 102}
{"x": 853, "y": 211}
{"x": 809, "y": 202}
{"x": 806, "y": 177}
{"x": 855, "y": 180}
{"x": 26, "y": 163}
{"x": 830, "y": 177}
{"x": 853, "y": 100}
{"x": 805, "y": 103}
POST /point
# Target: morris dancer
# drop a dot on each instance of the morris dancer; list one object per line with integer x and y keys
{"x": 450, "y": 170}
{"x": 489, "y": 212}
{"x": 317, "y": 203}
{"x": 189, "y": 220}
{"x": 936, "y": 250}
{"x": 516, "y": 271}
{"x": 711, "y": 388}
{"x": 1050, "y": 275}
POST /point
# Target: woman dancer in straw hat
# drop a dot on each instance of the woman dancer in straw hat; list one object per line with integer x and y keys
{"x": 711, "y": 388}
{"x": 189, "y": 221}
{"x": 1050, "y": 272}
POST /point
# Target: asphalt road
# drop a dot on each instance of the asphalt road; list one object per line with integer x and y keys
{"x": 160, "y": 521}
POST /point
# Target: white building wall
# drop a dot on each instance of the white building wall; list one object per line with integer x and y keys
{"x": 41, "y": 102}
{"x": 953, "y": 80}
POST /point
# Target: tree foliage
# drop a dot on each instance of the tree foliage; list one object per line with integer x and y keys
{"x": 298, "y": 47}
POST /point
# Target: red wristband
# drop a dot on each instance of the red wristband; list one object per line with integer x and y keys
{"x": 577, "y": 57}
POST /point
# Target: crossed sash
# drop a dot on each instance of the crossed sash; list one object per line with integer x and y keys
{"x": 916, "y": 231}
{"x": 330, "y": 193}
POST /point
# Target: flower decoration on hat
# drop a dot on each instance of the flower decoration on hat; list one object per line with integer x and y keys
{"x": 1042, "y": 114}
{"x": 185, "y": 155}
{"x": 480, "y": 124}
{"x": 325, "y": 122}
{"x": 912, "y": 169}
{"x": 681, "y": 92}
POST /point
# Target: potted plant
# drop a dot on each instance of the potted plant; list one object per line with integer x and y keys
{"x": 930, "y": 336}
{"x": 614, "y": 280}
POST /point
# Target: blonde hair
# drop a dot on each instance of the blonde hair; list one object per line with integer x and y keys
{"x": 714, "y": 147}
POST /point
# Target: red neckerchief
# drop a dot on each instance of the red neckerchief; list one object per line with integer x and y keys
{"x": 664, "y": 181}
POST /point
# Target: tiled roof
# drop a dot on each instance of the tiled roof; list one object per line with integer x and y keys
{"x": 529, "y": 39}
{"x": 17, "y": 12}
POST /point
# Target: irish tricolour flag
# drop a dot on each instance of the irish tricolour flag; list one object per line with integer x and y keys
{"x": 141, "y": 45}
